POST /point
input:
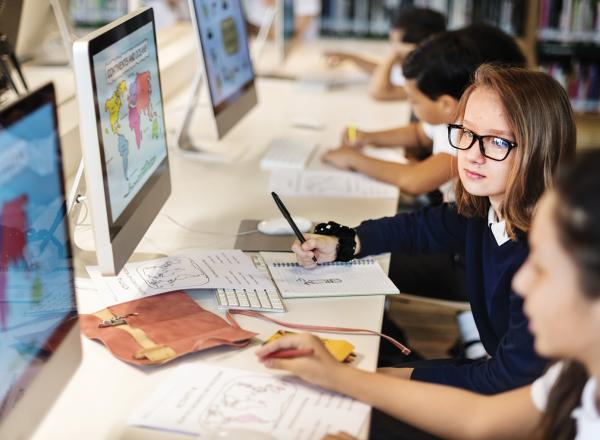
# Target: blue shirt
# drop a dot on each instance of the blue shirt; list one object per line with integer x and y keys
{"x": 497, "y": 309}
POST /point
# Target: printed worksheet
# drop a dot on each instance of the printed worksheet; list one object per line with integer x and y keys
{"x": 202, "y": 399}
{"x": 212, "y": 269}
{"x": 325, "y": 183}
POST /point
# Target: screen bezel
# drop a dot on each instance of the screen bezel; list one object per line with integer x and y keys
{"x": 96, "y": 45}
{"x": 247, "y": 86}
{"x": 10, "y": 115}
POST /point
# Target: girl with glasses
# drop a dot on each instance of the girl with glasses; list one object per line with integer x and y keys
{"x": 488, "y": 224}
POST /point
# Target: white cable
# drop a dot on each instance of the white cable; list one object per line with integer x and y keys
{"x": 196, "y": 231}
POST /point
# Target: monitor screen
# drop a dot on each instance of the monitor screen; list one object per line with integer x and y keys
{"x": 224, "y": 41}
{"x": 37, "y": 306}
{"x": 131, "y": 128}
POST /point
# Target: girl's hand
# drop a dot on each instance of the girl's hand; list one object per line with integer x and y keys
{"x": 323, "y": 247}
{"x": 361, "y": 138}
{"x": 342, "y": 157}
{"x": 319, "y": 368}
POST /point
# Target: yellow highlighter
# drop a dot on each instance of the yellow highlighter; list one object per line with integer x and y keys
{"x": 352, "y": 134}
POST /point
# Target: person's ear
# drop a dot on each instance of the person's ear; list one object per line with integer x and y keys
{"x": 448, "y": 104}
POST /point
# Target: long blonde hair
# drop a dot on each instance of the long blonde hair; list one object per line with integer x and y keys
{"x": 539, "y": 113}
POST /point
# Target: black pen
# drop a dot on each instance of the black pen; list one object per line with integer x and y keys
{"x": 289, "y": 219}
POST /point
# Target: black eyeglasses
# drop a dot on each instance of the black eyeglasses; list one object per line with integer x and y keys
{"x": 492, "y": 147}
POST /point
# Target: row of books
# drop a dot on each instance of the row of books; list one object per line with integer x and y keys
{"x": 372, "y": 17}
{"x": 569, "y": 20}
{"x": 96, "y": 12}
{"x": 582, "y": 82}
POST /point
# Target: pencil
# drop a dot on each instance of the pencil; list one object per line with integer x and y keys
{"x": 352, "y": 134}
{"x": 289, "y": 353}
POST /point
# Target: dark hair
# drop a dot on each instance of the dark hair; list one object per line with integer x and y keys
{"x": 444, "y": 64}
{"x": 417, "y": 23}
{"x": 577, "y": 217}
{"x": 539, "y": 115}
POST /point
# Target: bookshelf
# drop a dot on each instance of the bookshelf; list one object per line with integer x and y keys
{"x": 561, "y": 37}
{"x": 568, "y": 48}
{"x": 370, "y": 18}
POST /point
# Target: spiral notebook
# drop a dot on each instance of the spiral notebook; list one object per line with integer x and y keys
{"x": 357, "y": 277}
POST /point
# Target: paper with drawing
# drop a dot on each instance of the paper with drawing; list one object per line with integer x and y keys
{"x": 213, "y": 269}
{"x": 356, "y": 277}
{"x": 201, "y": 399}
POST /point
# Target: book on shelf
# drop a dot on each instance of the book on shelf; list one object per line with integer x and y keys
{"x": 359, "y": 18}
{"x": 569, "y": 21}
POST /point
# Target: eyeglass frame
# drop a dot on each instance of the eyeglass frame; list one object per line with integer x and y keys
{"x": 479, "y": 138}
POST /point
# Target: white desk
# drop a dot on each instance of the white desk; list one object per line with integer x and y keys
{"x": 214, "y": 198}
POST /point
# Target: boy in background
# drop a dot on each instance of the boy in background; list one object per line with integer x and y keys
{"x": 408, "y": 27}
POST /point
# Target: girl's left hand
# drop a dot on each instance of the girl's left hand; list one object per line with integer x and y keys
{"x": 342, "y": 157}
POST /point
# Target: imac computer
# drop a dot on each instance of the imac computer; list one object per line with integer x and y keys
{"x": 123, "y": 136}
{"x": 40, "y": 346}
{"x": 227, "y": 66}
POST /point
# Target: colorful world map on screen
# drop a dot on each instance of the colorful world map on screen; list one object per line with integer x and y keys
{"x": 130, "y": 107}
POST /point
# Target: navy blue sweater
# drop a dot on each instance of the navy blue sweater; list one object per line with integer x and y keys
{"x": 498, "y": 311}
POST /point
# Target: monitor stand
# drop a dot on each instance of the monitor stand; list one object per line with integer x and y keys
{"x": 84, "y": 257}
{"x": 183, "y": 143}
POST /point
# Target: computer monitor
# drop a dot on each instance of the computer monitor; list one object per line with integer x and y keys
{"x": 123, "y": 136}
{"x": 228, "y": 71}
{"x": 40, "y": 345}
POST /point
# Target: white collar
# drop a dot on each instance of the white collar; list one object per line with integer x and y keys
{"x": 587, "y": 416}
{"x": 588, "y": 409}
{"x": 498, "y": 227}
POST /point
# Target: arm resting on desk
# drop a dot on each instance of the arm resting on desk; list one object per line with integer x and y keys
{"x": 441, "y": 410}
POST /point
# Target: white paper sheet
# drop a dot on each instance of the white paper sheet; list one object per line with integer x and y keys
{"x": 213, "y": 269}
{"x": 356, "y": 277}
{"x": 325, "y": 183}
{"x": 202, "y": 400}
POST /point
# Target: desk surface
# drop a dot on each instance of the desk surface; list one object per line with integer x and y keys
{"x": 210, "y": 200}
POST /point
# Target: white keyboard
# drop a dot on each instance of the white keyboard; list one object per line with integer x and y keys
{"x": 285, "y": 153}
{"x": 260, "y": 301}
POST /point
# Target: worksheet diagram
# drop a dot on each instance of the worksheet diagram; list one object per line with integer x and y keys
{"x": 201, "y": 399}
{"x": 176, "y": 271}
{"x": 228, "y": 269}
{"x": 249, "y": 401}
{"x": 320, "y": 183}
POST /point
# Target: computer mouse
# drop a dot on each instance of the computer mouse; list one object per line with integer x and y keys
{"x": 238, "y": 434}
{"x": 280, "y": 226}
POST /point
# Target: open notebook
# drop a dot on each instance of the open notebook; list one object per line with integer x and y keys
{"x": 357, "y": 277}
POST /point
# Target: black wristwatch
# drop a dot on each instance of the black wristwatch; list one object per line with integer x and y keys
{"x": 346, "y": 239}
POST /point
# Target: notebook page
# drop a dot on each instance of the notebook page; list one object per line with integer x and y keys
{"x": 357, "y": 277}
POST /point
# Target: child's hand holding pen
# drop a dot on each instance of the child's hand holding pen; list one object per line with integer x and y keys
{"x": 352, "y": 137}
{"x": 303, "y": 355}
